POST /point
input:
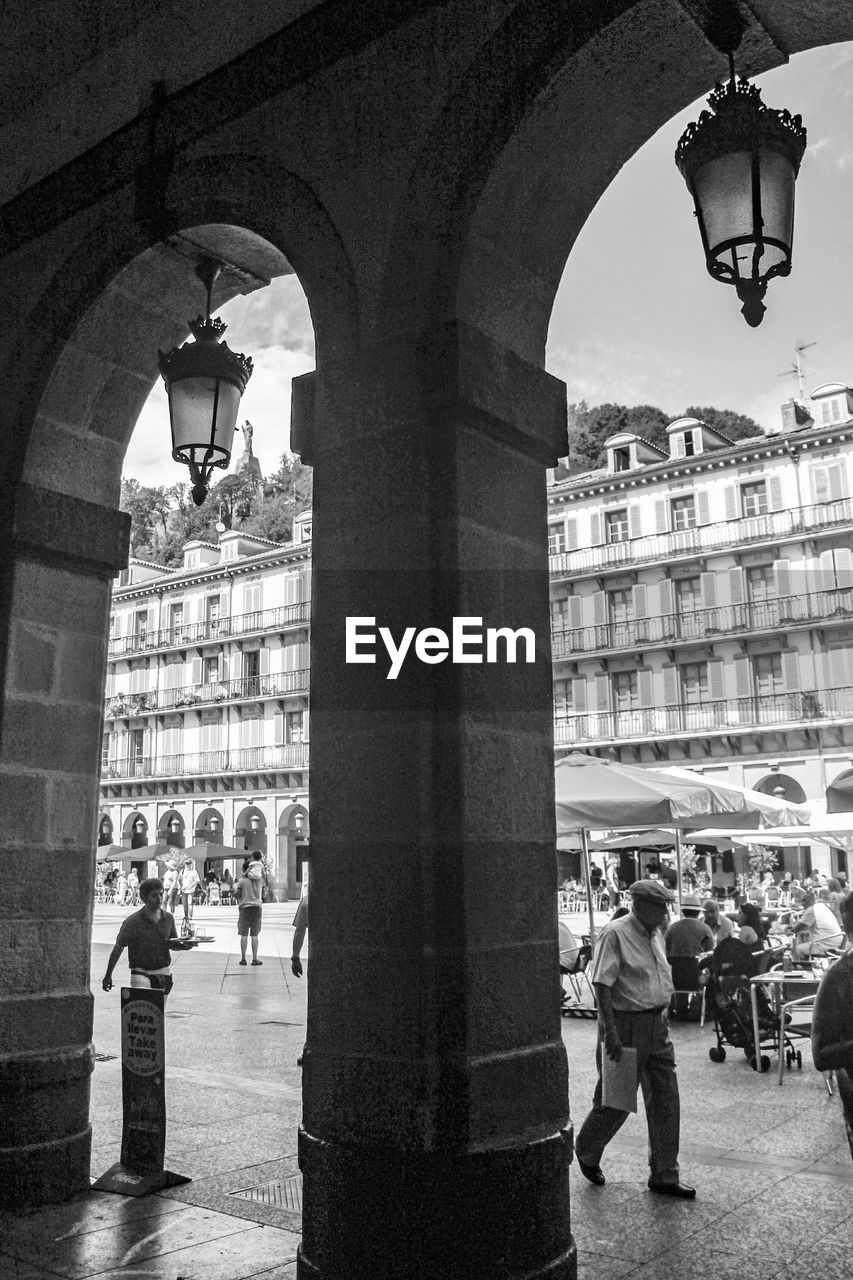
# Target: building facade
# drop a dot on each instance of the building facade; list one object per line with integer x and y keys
{"x": 206, "y": 717}
{"x": 702, "y": 601}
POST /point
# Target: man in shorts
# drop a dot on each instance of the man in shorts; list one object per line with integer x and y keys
{"x": 150, "y": 936}
{"x": 249, "y": 895}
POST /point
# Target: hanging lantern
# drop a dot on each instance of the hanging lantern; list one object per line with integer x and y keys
{"x": 204, "y": 382}
{"x": 740, "y": 165}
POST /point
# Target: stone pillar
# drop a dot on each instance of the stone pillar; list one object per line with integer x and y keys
{"x": 435, "y": 1139}
{"x": 64, "y": 553}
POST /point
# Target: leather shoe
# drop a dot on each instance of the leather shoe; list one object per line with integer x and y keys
{"x": 592, "y": 1173}
{"x": 679, "y": 1190}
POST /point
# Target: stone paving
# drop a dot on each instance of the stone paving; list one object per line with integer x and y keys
{"x": 771, "y": 1163}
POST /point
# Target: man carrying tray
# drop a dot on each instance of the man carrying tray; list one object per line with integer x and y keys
{"x": 149, "y": 935}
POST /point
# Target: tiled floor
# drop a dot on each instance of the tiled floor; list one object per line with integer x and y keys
{"x": 770, "y": 1163}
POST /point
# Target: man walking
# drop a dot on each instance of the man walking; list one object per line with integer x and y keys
{"x": 149, "y": 935}
{"x": 249, "y": 896}
{"x": 633, "y": 988}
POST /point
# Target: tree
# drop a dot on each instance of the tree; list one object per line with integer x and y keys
{"x": 736, "y": 426}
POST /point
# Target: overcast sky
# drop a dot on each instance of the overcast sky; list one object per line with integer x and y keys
{"x": 637, "y": 320}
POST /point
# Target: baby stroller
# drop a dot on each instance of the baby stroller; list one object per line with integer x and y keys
{"x": 727, "y": 1000}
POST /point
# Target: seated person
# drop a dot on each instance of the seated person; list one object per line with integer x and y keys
{"x": 751, "y": 927}
{"x": 717, "y": 921}
{"x": 817, "y": 932}
{"x": 689, "y": 936}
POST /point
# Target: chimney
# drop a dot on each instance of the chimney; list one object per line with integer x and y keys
{"x": 794, "y": 415}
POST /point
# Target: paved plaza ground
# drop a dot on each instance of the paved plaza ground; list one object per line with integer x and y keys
{"x": 771, "y": 1163}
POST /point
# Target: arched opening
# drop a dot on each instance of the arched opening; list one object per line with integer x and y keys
{"x": 170, "y": 830}
{"x": 293, "y": 851}
{"x": 105, "y": 829}
{"x": 783, "y": 787}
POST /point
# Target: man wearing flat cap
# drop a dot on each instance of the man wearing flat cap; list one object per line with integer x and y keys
{"x": 633, "y": 987}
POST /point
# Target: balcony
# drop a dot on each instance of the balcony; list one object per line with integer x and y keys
{"x": 774, "y": 526}
{"x": 727, "y": 715}
{"x": 705, "y": 624}
{"x": 251, "y": 688}
{"x": 294, "y": 755}
{"x": 212, "y": 631}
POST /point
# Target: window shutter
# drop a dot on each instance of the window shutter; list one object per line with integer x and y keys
{"x": 196, "y": 671}
{"x": 678, "y": 445}
{"x": 844, "y": 567}
{"x": 645, "y": 687}
{"x": 670, "y": 684}
{"x": 701, "y": 507}
{"x": 737, "y": 592}
{"x": 635, "y": 521}
{"x": 791, "y": 669}
{"x": 709, "y": 590}
{"x": 602, "y": 691}
{"x": 641, "y": 606}
{"x": 293, "y": 589}
{"x": 279, "y": 728}
{"x": 774, "y": 493}
{"x": 666, "y": 596}
{"x": 826, "y": 572}
{"x": 731, "y": 502}
{"x": 579, "y": 694}
{"x": 575, "y": 612}
{"x": 661, "y": 520}
{"x": 265, "y": 661}
{"x": 743, "y": 676}
{"x": 716, "y": 680}
{"x": 571, "y": 534}
{"x": 838, "y": 666}
{"x": 595, "y": 529}
{"x": 836, "y": 482}
{"x": 782, "y": 570}
{"x": 599, "y": 608}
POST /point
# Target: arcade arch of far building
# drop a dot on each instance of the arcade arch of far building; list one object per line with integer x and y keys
{"x": 435, "y": 312}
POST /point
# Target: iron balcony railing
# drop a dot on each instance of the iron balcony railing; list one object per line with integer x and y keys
{"x": 700, "y": 624}
{"x": 193, "y": 695}
{"x": 664, "y": 547}
{"x": 294, "y": 755}
{"x": 262, "y": 620}
{"x": 726, "y": 715}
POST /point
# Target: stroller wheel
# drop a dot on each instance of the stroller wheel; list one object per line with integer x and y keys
{"x": 799, "y": 1060}
{"x": 789, "y": 1057}
{"x": 765, "y": 1062}
{"x": 717, "y": 1053}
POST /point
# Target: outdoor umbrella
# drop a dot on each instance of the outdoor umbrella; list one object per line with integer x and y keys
{"x": 590, "y": 792}
{"x": 114, "y": 853}
{"x": 839, "y": 795}
{"x": 200, "y": 852}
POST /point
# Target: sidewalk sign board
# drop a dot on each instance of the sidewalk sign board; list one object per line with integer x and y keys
{"x": 143, "y": 1088}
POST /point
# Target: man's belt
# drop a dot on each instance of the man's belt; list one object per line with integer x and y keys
{"x": 660, "y": 1008}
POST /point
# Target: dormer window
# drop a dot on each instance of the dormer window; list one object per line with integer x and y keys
{"x": 830, "y": 410}
{"x": 622, "y": 459}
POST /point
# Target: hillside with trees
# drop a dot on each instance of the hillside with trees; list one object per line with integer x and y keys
{"x": 590, "y": 426}
{"x": 164, "y": 517}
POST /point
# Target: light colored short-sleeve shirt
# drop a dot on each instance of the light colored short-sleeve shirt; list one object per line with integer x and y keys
{"x": 633, "y": 964}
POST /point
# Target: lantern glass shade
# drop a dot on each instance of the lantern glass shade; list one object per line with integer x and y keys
{"x": 203, "y": 413}
{"x": 747, "y": 229}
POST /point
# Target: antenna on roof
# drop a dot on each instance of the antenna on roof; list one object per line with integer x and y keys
{"x": 796, "y": 369}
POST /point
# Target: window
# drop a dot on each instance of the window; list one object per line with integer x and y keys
{"x": 251, "y": 664}
{"x": 616, "y": 525}
{"x": 767, "y": 672}
{"x": 828, "y": 482}
{"x": 760, "y": 584}
{"x": 106, "y": 749}
{"x": 113, "y": 625}
{"x": 753, "y": 498}
{"x": 209, "y": 737}
{"x": 688, "y": 594}
{"x": 683, "y": 511}
{"x": 830, "y": 410}
{"x": 252, "y": 597}
{"x": 556, "y": 539}
{"x": 250, "y": 727}
{"x": 689, "y": 444}
{"x": 140, "y": 624}
{"x": 176, "y": 616}
{"x": 210, "y": 669}
{"x": 620, "y": 605}
{"x": 563, "y": 700}
{"x": 694, "y": 682}
{"x": 136, "y": 742}
{"x": 212, "y": 607}
{"x": 626, "y": 693}
{"x": 294, "y": 726}
{"x": 622, "y": 459}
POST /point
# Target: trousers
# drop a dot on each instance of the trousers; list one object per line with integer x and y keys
{"x": 648, "y": 1033}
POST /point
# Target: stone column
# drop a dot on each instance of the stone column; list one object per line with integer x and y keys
{"x": 435, "y": 1139}
{"x": 65, "y": 553}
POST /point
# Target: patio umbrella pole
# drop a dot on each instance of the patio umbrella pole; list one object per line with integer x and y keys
{"x": 585, "y": 859}
{"x": 678, "y": 868}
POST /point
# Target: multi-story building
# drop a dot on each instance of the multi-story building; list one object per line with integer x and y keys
{"x": 702, "y": 601}
{"x": 702, "y": 614}
{"x": 206, "y": 708}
